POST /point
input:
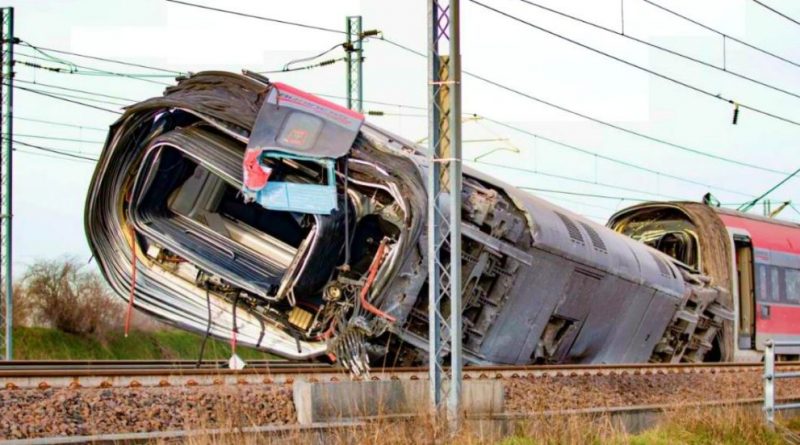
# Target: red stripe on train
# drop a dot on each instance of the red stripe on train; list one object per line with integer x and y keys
{"x": 766, "y": 235}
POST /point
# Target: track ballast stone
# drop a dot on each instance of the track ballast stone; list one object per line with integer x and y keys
{"x": 41, "y": 413}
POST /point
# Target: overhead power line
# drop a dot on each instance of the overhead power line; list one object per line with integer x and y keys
{"x": 74, "y": 90}
{"x": 596, "y": 120}
{"x": 51, "y": 156}
{"x": 53, "y": 96}
{"x": 56, "y": 138}
{"x": 563, "y": 144}
{"x": 722, "y": 34}
{"x": 102, "y": 59}
{"x": 60, "y": 124}
{"x": 770, "y": 8}
{"x": 587, "y": 195}
{"x": 66, "y": 153}
{"x": 640, "y": 67}
{"x": 304, "y": 67}
{"x": 612, "y": 159}
{"x": 571, "y": 178}
{"x": 748, "y": 205}
{"x": 83, "y": 98}
{"x": 723, "y": 69}
{"x": 376, "y": 102}
{"x": 561, "y": 198}
{"x": 91, "y": 71}
{"x": 257, "y": 17}
{"x": 509, "y": 89}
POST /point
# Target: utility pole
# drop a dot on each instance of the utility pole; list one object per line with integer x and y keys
{"x": 6, "y": 127}
{"x": 444, "y": 203}
{"x": 354, "y": 49}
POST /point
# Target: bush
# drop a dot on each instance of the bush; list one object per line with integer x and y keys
{"x": 60, "y": 294}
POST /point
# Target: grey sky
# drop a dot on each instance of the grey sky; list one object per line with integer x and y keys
{"x": 49, "y": 193}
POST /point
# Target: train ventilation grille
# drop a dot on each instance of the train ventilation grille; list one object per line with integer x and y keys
{"x": 597, "y": 242}
{"x": 665, "y": 270}
{"x": 572, "y": 229}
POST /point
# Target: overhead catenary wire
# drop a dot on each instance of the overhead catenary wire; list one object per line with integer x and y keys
{"x": 559, "y": 197}
{"x": 662, "y": 76}
{"x": 51, "y": 156}
{"x": 748, "y": 205}
{"x": 596, "y": 120}
{"x": 60, "y": 124}
{"x": 571, "y": 178}
{"x": 528, "y": 96}
{"x": 472, "y": 116}
{"x": 304, "y": 67}
{"x": 56, "y": 138}
{"x": 315, "y": 56}
{"x": 497, "y": 84}
{"x": 611, "y": 159}
{"x": 724, "y": 35}
{"x": 257, "y": 17}
{"x": 770, "y": 8}
{"x": 101, "y": 59}
{"x": 83, "y": 98}
{"x": 376, "y": 102}
{"x": 57, "y": 151}
{"x": 74, "y": 90}
{"x": 52, "y": 96}
{"x": 92, "y": 71}
{"x": 664, "y": 49}
{"x": 587, "y": 195}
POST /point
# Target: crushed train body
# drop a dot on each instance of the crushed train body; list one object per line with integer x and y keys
{"x": 231, "y": 207}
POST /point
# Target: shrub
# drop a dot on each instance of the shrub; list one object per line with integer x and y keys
{"x": 62, "y": 295}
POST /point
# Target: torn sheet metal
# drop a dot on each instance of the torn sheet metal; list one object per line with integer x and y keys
{"x": 293, "y": 124}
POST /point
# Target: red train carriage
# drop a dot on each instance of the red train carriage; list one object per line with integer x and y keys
{"x": 757, "y": 258}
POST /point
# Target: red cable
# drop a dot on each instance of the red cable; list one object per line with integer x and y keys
{"x": 133, "y": 281}
{"x": 373, "y": 270}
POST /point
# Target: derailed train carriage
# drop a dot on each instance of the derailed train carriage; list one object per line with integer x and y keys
{"x": 252, "y": 210}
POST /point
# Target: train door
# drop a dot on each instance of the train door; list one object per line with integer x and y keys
{"x": 745, "y": 291}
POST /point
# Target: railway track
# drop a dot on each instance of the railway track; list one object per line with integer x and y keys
{"x": 46, "y": 399}
{"x": 109, "y": 373}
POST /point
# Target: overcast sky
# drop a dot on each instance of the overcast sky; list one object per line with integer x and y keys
{"x": 49, "y": 192}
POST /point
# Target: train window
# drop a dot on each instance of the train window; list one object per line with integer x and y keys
{"x": 762, "y": 282}
{"x": 792, "y": 280}
{"x": 774, "y": 283}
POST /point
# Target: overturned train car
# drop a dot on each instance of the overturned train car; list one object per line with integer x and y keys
{"x": 255, "y": 211}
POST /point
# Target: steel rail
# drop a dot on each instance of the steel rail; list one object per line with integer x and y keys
{"x": 22, "y": 365}
{"x": 289, "y": 372}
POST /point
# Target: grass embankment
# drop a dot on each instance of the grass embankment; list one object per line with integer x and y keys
{"x": 733, "y": 425}
{"x": 51, "y": 344}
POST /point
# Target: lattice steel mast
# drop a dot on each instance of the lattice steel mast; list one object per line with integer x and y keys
{"x": 6, "y": 126}
{"x": 444, "y": 201}
{"x": 355, "y": 58}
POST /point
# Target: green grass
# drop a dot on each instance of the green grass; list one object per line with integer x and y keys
{"x": 726, "y": 425}
{"x": 51, "y": 344}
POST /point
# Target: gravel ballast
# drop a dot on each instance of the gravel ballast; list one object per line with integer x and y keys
{"x": 29, "y": 413}
{"x": 41, "y": 413}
